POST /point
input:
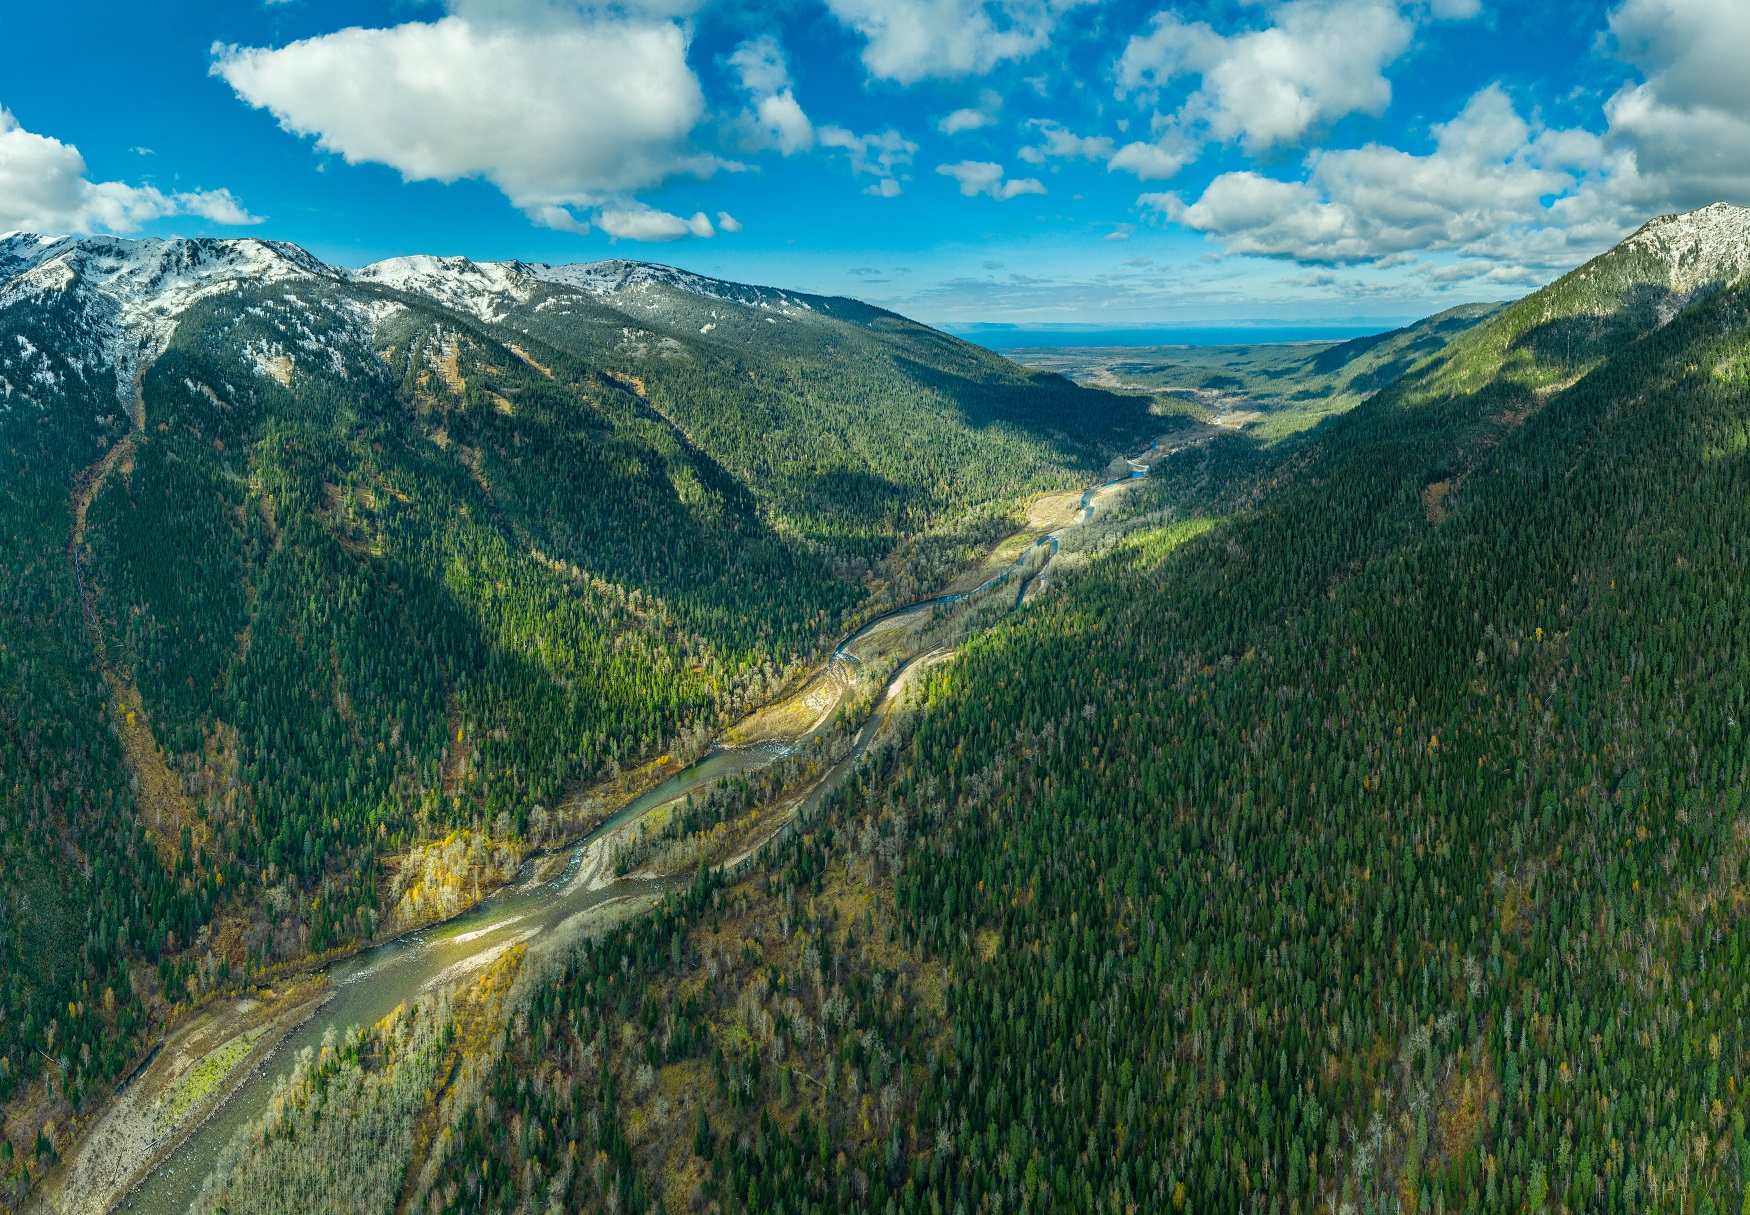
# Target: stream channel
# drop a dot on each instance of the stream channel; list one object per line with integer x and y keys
{"x": 368, "y": 986}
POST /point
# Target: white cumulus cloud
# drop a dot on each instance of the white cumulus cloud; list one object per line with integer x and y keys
{"x": 568, "y": 108}
{"x": 1508, "y": 199}
{"x": 967, "y": 118}
{"x": 650, "y": 224}
{"x": 1316, "y": 62}
{"x": 971, "y": 118}
{"x": 1493, "y": 186}
{"x": 1060, "y": 143}
{"x": 775, "y": 119}
{"x": 986, "y": 177}
{"x": 878, "y": 154}
{"x": 1155, "y": 161}
{"x": 910, "y": 40}
{"x": 1687, "y": 124}
{"x": 43, "y": 188}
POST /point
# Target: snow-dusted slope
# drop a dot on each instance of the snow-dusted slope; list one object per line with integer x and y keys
{"x": 19, "y": 251}
{"x": 1698, "y": 248}
{"x": 616, "y": 277}
{"x": 485, "y": 289}
{"x": 488, "y": 290}
{"x": 1643, "y": 282}
{"x": 147, "y": 277}
{"x": 130, "y": 292}
{"x": 133, "y": 290}
{"x": 161, "y": 277}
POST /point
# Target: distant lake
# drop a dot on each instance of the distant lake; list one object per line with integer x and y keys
{"x": 1009, "y": 337}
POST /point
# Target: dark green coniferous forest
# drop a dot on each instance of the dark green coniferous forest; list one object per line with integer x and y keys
{"x": 1346, "y": 815}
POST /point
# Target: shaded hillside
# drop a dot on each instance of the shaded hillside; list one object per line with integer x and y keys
{"x": 85, "y": 899}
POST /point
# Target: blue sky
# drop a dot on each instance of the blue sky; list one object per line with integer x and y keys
{"x": 1007, "y": 161}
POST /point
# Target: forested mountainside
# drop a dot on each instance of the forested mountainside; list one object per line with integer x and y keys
{"x": 1370, "y": 838}
{"x": 857, "y": 426}
{"x": 301, "y": 567}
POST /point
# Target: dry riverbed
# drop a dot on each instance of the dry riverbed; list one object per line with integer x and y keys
{"x": 195, "y": 1069}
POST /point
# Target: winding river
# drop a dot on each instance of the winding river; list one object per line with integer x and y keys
{"x": 1138, "y": 470}
{"x": 367, "y": 987}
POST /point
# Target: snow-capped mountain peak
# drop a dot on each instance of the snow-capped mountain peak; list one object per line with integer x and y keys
{"x": 488, "y": 290}
{"x": 617, "y": 276}
{"x": 156, "y": 274}
{"x": 485, "y": 289}
{"x": 145, "y": 284}
{"x": 1697, "y": 248}
{"x": 133, "y": 290}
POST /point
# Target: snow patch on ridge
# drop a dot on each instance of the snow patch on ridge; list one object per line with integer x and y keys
{"x": 137, "y": 288}
{"x": 617, "y": 276}
{"x": 489, "y": 290}
{"x": 133, "y": 291}
{"x": 1702, "y": 248}
{"x": 485, "y": 289}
